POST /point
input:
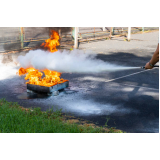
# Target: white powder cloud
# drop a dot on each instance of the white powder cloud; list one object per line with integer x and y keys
{"x": 76, "y": 61}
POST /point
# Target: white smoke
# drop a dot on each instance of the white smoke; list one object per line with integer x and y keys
{"x": 76, "y": 61}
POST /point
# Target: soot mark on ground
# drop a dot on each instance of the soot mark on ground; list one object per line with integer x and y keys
{"x": 26, "y": 95}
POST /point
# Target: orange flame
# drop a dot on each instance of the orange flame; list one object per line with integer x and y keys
{"x": 35, "y": 77}
{"x": 50, "y": 77}
{"x": 52, "y": 42}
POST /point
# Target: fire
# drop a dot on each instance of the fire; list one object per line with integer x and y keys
{"x": 35, "y": 77}
{"x": 50, "y": 78}
{"x": 52, "y": 42}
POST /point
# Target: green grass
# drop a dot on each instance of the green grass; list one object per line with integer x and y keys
{"x": 16, "y": 119}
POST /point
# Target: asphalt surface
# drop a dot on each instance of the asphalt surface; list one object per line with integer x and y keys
{"x": 129, "y": 103}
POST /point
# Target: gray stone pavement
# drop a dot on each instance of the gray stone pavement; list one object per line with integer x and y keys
{"x": 146, "y": 41}
{"x": 129, "y": 103}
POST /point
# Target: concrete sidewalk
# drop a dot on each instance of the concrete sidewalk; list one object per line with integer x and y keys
{"x": 147, "y": 41}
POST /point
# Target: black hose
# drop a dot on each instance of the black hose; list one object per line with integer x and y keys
{"x": 156, "y": 66}
{"x": 153, "y": 66}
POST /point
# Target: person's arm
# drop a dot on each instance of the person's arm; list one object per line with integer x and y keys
{"x": 154, "y": 59}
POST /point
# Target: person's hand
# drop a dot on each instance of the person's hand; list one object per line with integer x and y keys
{"x": 147, "y": 66}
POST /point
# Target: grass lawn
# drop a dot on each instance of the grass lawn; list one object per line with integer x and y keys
{"x": 16, "y": 119}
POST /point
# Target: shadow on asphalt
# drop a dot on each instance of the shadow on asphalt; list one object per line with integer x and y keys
{"x": 125, "y": 58}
